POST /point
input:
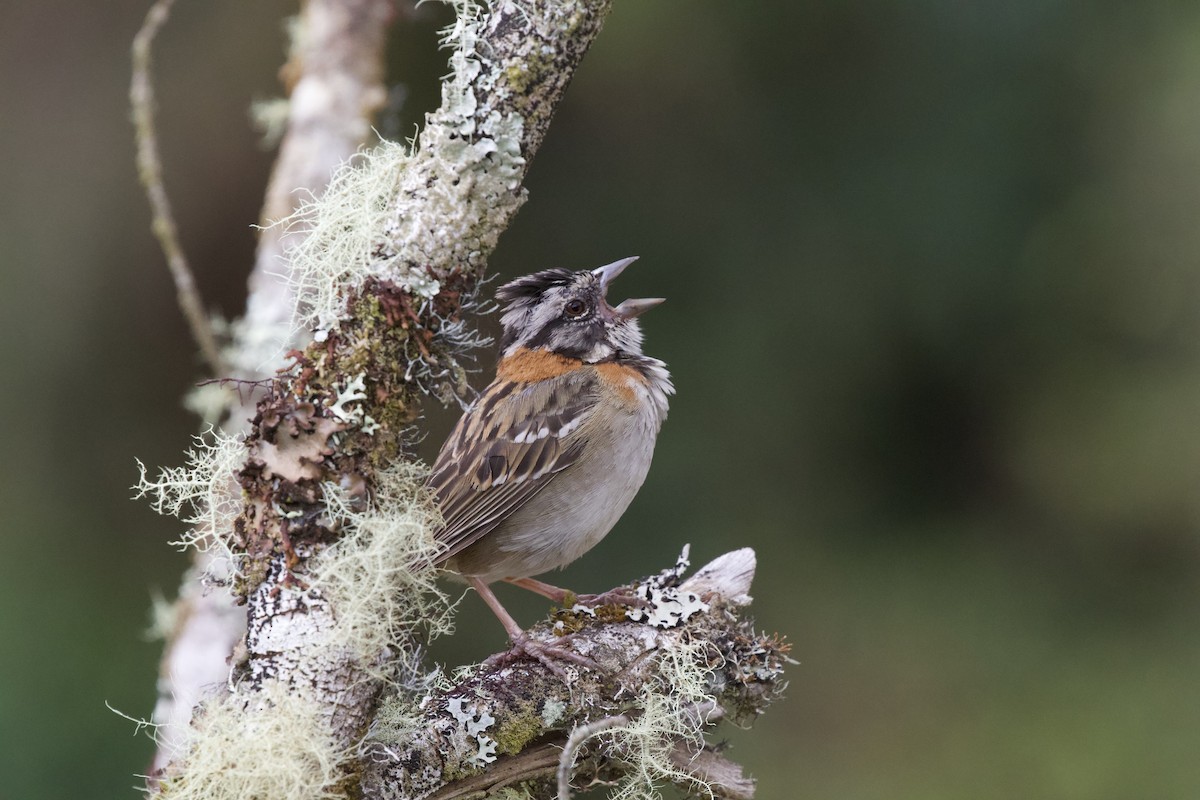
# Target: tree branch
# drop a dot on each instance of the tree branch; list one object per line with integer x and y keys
{"x": 661, "y": 684}
{"x": 335, "y": 78}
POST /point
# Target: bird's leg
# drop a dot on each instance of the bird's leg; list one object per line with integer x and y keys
{"x": 522, "y": 644}
{"x": 566, "y": 598}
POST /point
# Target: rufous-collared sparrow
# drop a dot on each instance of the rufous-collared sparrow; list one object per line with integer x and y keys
{"x": 546, "y": 460}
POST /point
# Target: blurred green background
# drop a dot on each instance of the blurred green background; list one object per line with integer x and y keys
{"x": 933, "y": 272}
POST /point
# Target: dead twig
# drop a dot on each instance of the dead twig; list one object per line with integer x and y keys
{"x": 575, "y": 741}
{"x": 141, "y": 98}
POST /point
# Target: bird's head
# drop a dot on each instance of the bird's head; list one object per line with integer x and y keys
{"x": 566, "y": 312}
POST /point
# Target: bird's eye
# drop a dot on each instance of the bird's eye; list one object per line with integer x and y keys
{"x": 575, "y": 308}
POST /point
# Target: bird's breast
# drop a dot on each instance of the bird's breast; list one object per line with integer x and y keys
{"x": 583, "y": 502}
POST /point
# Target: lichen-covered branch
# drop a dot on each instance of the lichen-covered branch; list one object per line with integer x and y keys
{"x": 335, "y": 77}
{"x": 639, "y": 719}
{"x": 425, "y": 219}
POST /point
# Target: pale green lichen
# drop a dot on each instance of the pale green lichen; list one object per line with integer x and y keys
{"x": 398, "y": 211}
{"x": 164, "y": 618}
{"x": 552, "y": 711}
{"x": 667, "y": 715}
{"x": 510, "y": 793}
{"x": 355, "y": 391}
{"x": 398, "y": 719}
{"x": 275, "y": 744}
{"x": 270, "y": 118}
{"x": 341, "y": 232}
{"x": 379, "y": 575}
{"x": 518, "y": 728}
{"x": 210, "y": 401}
{"x": 203, "y": 493}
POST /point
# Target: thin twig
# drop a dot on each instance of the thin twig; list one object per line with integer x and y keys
{"x": 578, "y": 736}
{"x": 141, "y": 98}
{"x": 537, "y": 762}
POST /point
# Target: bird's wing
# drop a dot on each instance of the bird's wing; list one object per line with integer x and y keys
{"x": 506, "y": 448}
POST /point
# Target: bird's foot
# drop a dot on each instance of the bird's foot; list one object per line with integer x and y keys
{"x": 621, "y": 596}
{"x": 548, "y": 654}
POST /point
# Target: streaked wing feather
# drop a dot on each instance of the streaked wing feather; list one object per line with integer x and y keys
{"x": 484, "y": 474}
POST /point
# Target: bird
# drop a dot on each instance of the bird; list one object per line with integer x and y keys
{"x": 547, "y": 458}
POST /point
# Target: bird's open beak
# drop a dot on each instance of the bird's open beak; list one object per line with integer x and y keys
{"x": 610, "y": 271}
{"x": 630, "y": 308}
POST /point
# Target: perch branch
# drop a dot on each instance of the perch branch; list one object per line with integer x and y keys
{"x": 141, "y": 98}
{"x": 663, "y": 681}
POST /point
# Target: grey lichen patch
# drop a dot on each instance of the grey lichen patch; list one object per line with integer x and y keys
{"x": 347, "y": 405}
{"x": 667, "y": 605}
{"x": 473, "y": 723}
{"x": 552, "y": 711}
